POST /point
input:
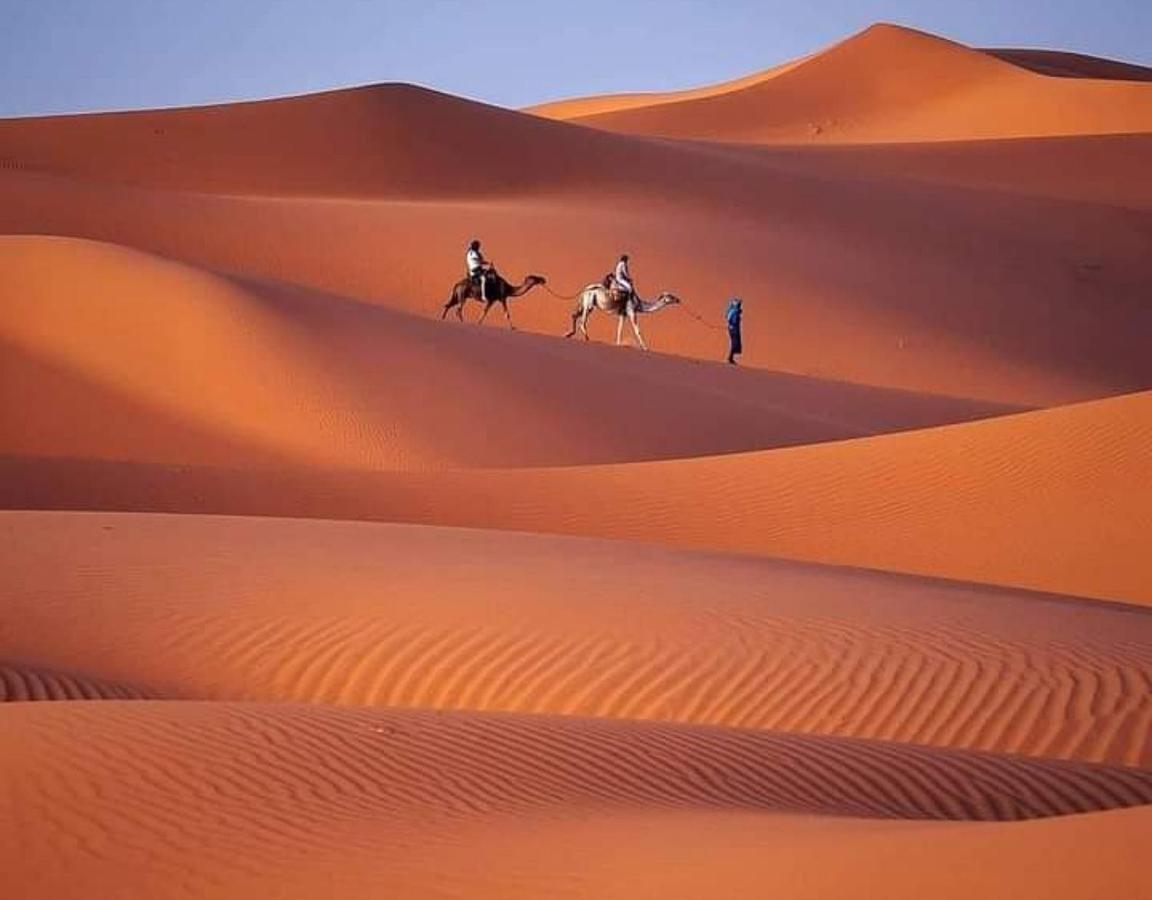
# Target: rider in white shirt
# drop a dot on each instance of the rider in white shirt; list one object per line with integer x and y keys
{"x": 623, "y": 277}
{"x": 478, "y": 268}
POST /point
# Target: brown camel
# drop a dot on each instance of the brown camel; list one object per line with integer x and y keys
{"x": 596, "y": 296}
{"x": 498, "y": 291}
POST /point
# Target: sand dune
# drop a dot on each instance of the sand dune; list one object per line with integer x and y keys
{"x": 848, "y": 261}
{"x": 891, "y": 84}
{"x": 115, "y": 354}
{"x": 180, "y": 800}
{"x": 694, "y": 639}
{"x": 397, "y": 616}
{"x": 1046, "y": 500}
{"x": 835, "y": 286}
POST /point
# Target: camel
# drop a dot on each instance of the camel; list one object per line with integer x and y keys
{"x": 596, "y": 296}
{"x": 498, "y": 290}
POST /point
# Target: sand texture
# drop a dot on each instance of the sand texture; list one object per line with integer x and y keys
{"x": 305, "y": 592}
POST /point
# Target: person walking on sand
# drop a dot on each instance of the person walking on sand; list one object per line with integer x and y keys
{"x": 734, "y": 315}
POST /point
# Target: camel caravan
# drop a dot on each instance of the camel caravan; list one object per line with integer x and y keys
{"x": 615, "y": 294}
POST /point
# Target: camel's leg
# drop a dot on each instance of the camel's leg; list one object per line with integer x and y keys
{"x": 484, "y": 315}
{"x": 636, "y": 330}
{"x": 619, "y": 329}
{"x": 584, "y": 324}
{"x": 452, "y": 301}
{"x": 575, "y": 318}
{"x": 507, "y": 315}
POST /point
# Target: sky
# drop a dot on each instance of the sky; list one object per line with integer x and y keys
{"x": 61, "y": 56}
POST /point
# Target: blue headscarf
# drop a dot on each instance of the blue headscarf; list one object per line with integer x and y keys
{"x": 735, "y": 311}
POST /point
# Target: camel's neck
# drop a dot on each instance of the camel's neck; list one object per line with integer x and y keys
{"x": 649, "y": 306}
{"x": 523, "y": 288}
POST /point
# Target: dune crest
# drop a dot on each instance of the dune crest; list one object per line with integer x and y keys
{"x": 892, "y": 84}
{"x": 1041, "y": 500}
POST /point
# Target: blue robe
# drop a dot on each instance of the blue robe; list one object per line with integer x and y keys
{"x": 734, "y": 315}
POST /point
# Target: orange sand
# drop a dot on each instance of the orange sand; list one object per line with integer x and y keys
{"x": 277, "y": 609}
{"x": 191, "y": 800}
{"x": 1048, "y": 500}
{"x": 198, "y": 368}
{"x": 694, "y": 640}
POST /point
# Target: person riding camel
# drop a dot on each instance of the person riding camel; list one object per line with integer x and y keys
{"x": 622, "y": 278}
{"x": 478, "y": 269}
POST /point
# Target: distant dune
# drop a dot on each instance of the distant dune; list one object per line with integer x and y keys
{"x": 893, "y": 84}
{"x": 1072, "y": 65}
{"x": 306, "y": 593}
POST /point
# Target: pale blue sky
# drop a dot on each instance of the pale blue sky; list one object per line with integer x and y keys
{"x": 73, "y": 55}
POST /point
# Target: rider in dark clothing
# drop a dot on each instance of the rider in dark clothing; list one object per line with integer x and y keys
{"x": 735, "y": 314}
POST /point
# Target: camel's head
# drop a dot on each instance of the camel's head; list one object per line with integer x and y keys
{"x": 536, "y": 279}
{"x": 669, "y": 299}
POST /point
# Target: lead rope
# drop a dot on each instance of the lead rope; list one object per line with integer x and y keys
{"x": 699, "y": 318}
{"x": 548, "y": 288}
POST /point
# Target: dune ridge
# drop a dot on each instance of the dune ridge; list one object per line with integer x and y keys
{"x": 188, "y": 366}
{"x": 894, "y": 84}
{"x": 1041, "y": 500}
{"x": 1045, "y": 62}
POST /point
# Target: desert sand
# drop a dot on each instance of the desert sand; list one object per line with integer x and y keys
{"x": 307, "y": 592}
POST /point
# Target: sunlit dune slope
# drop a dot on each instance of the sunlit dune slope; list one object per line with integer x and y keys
{"x": 365, "y": 614}
{"x": 111, "y": 353}
{"x": 891, "y": 84}
{"x": 221, "y": 800}
{"x": 1045, "y": 62}
{"x": 578, "y": 107}
{"x": 1050, "y": 500}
